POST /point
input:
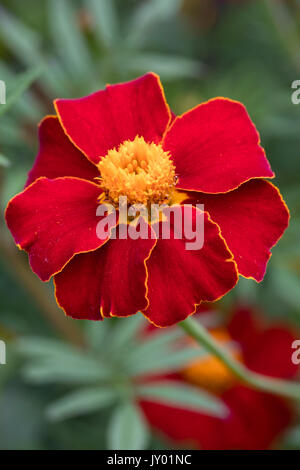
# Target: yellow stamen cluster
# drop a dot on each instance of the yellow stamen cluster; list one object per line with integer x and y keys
{"x": 209, "y": 372}
{"x": 139, "y": 170}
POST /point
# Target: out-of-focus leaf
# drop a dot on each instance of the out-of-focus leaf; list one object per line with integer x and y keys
{"x": 246, "y": 290}
{"x": 19, "y": 406}
{"x": 10, "y": 133}
{"x": 80, "y": 402}
{"x": 4, "y": 161}
{"x": 160, "y": 352}
{"x": 57, "y": 83}
{"x": 183, "y": 396}
{"x": 167, "y": 66}
{"x": 20, "y": 39}
{"x": 146, "y": 14}
{"x": 44, "y": 372}
{"x": 155, "y": 340}
{"x": 8, "y": 372}
{"x": 45, "y": 348}
{"x": 281, "y": 126}
{"x": 287, "y": 286}
{"x": 53, "y": 361}
{"x": 127, "y": 429}
{"x": 126, "y": 330}
{"x": 28, "y": 106}
{"x": 97, "y": 334}
{"x": 165, "y": 360}
{"x": 70, "y": 43}
{"x": 105, "y": 16}
{"x": 23, "y": 82}
{"x": 14, "y": 180}
{"x": 292, "y": 438}
{"x": 157, "y": 353}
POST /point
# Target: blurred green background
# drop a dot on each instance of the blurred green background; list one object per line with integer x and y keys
{"x": 245, "y": 50}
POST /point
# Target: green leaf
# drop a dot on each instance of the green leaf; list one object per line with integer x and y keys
{"x": 36, "y": 347}
{"x": 29, "y": 106}
{"x": 97, "y": 334}
{"x": 57, "y": 83}
{"x": 14, "y": 180}
{"x": 165, "y": 360}
{"x": 126, "y": 330}
{"x": 4, "y": 161}
{"x": 292, "y": 438}
{"x": 160, "y": 352}
{"x": 20, "y": 39}
{"x": 53, "y": 361}
{"x": 183, "y": 396}
{"x": 169, "y": 67}
{"x": 24, "y": 81}
{"x": 156, "y": 340}
{"x": 287, "y": 286}
{"x": 246, "y": 289}
{"x": 127, "y": 429}
{"x": 147, "y": 14}
{"x": 105, "y": 15}
{"x": 80, "y": 402}
{"x": 70, "y": 43}
{"x": 44, "y": 372}
{"x": 281, "y": 126}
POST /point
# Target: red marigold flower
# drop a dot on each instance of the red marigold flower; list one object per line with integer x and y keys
{"x": 256, "y": 419}
{"x": 124, "y": 141}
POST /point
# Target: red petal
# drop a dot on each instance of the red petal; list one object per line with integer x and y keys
{"x": 265, "y": 350}
{"x": 271, "y": 354}
{"x": 103, "y": 120}
{"x": 180, "y": 278}
{"x": 244, "y": 327}
{"x": 256, "y": 418}
{"x": 255, "y": 421}
{"x": 252, "y": 219}
{"x": 53, "y": 220}
{"x": 110, "y": 281}
{"x": 215, "y": 147}
{"x": 186, "y": 427}
{"x": 57, "y": 155}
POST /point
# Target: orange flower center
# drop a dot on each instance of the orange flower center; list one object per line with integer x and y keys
{"x": 209, "y": 372}
{"x": 142, "y": 172}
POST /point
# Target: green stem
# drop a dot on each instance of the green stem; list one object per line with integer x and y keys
{"x": 252, "y": 379}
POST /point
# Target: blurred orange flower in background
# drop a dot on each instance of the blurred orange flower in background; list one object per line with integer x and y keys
{"x": 255, "y": 419}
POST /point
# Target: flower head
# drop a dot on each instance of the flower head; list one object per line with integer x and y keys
{"x": 125, "y": 142}
{"x": 141, "y": 171}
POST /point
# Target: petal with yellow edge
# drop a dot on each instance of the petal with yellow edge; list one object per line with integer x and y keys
{"x": 53, "y": 220}
{"x": 110, "y": 281}
{"x": 215, "y": 147}
{"x": 180, "y": 278}
{"x": 252, "y": 218}
{"x": 103, "y": 120}
{"x": 57, "y": 155}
